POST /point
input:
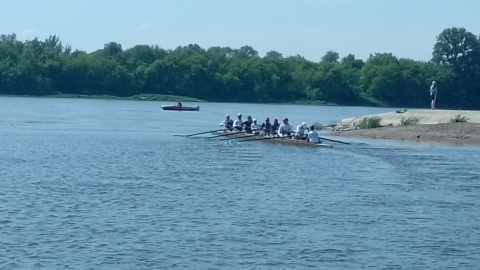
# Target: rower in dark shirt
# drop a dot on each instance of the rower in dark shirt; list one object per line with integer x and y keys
{"x": 275, "y": 126}
{"x": 266, "y": 127}
{"x": 247, "y": 125}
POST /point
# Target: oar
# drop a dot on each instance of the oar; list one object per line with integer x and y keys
{"x": 260, "y": 139}
{"x": 202, "y": 133}
{"x": 221, "y": 135}
{"x": 333, "y": 140}
{"x": 246, "y": 135}
{"x": 242, "y": 135}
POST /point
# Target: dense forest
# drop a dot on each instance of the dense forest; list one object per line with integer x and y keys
{"x": 224, "y": 74}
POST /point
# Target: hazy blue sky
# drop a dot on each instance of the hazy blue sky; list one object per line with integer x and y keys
{"x": 406, "y": 28}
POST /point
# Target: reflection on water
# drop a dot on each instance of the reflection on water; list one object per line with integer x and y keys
{"x": 106, "y": 185}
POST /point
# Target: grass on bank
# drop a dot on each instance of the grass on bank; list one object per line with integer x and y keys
{"x": 410, "y": 121}
{"x": 369, "y": 122}
{"x": 459, "y": 119}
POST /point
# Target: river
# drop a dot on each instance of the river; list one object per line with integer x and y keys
{"x": 106, "y": 184}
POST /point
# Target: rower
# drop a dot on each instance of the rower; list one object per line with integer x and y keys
{"x": 266, "y": 127}
{"x": 247, "y": 125}
{"x": 302, "y": 132}
{"x": 313, "y": 135}
{"x": 285, "y": 129}
{"x": 238, "y": 123}
{"x": 274, "y": 127}
{"x": 227, "y": 123}
{"x": 255, "y": 127}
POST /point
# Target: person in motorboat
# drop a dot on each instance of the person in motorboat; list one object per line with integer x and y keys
{"x": 255, "y": 127}
{"x": 285, "y": 129}
{"x": 247, "y": 125}
{"x": 179, "y": 104}
{"x": 227, "y": 123}
{"x": 274, "y": 127}
{"x": 266, "y": 127}
{"x": 313, "y": 135}
{"x": 238, "y": 123}
{"x": 302, "y": 131}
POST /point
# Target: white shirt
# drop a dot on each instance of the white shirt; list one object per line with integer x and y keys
{"x": 301, "y": 130}
{"x": 238, "y": 123}
{"x": 313, "y": 136}
{"x": 224, "y": 122}
{"x": 255, "y": 128}
{"x": 284, "y": 129}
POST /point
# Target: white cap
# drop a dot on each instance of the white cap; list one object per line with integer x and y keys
{"x": 239, "y": 115}
{"x": 304, "y": 124}
{"x": 254, "y": 119}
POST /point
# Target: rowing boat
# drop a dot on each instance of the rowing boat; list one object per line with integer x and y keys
{"x": 180, "y": 108}
{"x": 242, "y": 137}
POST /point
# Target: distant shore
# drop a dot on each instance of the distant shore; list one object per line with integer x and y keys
{"x": 143, "y": 97}
{"x": 172, "y": 98}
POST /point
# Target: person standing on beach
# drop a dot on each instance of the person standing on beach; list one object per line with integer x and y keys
{"x": 433, "y": 94}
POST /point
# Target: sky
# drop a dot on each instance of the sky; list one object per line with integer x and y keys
{"x": 308, "y": 28}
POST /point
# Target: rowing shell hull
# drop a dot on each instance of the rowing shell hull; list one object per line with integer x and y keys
{"x": 252, "y": 138}
{"x": 178, "y": 108}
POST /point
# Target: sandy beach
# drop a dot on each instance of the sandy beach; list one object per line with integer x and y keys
{"x": 433, "y": 126}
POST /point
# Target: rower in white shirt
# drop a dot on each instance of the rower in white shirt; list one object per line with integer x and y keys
{"x": 238, "y": 123}
{"x": 255, "y": 127}
{"x": 302, "y": 131}
{"x": 313, "y": 135}
{"x": 285, "y": 129}
{"x": 227, "y": 123}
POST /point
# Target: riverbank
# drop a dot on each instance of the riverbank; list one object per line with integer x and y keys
{"x": 435, "y": 126}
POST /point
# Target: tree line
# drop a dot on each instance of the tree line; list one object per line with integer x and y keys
{"x": 223, "y": 74}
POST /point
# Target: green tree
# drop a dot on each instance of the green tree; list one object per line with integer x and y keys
{"x": 352, "y": 62}
{"x": 330, "y": 57}
{"x": 273, "y": 55}
{"x": 457, "y": 48}
{"x": 460, "y": 50}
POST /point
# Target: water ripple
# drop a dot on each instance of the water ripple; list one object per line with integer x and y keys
{"x": 128, "y": 200}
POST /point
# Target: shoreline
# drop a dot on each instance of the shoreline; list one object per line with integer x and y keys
{"x": 433, "y": 126}
{"x": 456, "y": 134}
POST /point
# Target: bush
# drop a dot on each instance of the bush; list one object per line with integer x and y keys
{"x": 409, "y": 121}
{"x": 369, "y": 122}
{"x": 459, "y": 119}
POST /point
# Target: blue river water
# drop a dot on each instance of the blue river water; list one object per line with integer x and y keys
{"x": 106, "y": 184}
